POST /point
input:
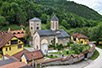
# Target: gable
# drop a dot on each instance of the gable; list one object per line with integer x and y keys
{"x": 13, "y": 38}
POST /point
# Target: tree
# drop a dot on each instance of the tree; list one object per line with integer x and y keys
{"x": 65, "y": 24}
{"x": 3, "y": 21}
{"x": 27, "y": 36}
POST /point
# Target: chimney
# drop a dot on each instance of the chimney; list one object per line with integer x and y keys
{"x": 22, "y": 29}
{"x": 8, "y": 29}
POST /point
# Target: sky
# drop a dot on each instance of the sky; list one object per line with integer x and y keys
{"x": 94, "y": 4}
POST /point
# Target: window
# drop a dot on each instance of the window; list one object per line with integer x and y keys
{"x": 37, "y": 28}
{"x": 18, "y": 33}
{"x": 6, "y": 49}
{"x": 74, "y": 39}
{"x": 31, "y": 27}
{"x": 8, "y": 43}
{"x": 81, "y": 41}
{"x": 10, "y": 48}
{"x": 22, "y": 32}
{"x": 14, "y": 33}
{"x": 14, "y": 42}
{"x": 19, "y": 46}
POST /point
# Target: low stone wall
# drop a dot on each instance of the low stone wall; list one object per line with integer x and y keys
{"x": 70, "y": 59}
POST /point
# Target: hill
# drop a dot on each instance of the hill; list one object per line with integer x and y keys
{"x": 20, "y": 11}
{"x": 70, "y": 6}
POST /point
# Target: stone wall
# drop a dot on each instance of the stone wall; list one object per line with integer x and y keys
{"x": 70, "y": 59}
{"x": 63, "y": 41}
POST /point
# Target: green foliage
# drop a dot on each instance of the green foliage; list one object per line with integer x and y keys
{"x": 95, "y": 55}
{"x": 77, "y": 48}
{"x": 27, "y": 34}
{"x": 53, "y": 42}
{"x": 51, "y": 46}
{"x": 21, "y": 26}
{"x": 3, "y": 21}
{"x": 27, "y": 45}
{"x": 59, "y": 47}
{"x": 19, "y": 12}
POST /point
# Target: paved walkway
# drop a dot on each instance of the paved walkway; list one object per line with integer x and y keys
{"x": 97, "y": 63}
{"x": 30, "y": 49}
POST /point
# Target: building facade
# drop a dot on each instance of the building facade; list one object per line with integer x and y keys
{"x": 79, "y": 38}
{"x": 42, "y": 38}
{"x": 9, "y": 44}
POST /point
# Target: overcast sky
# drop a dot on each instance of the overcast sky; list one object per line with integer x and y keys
{"x": 94, "y": 4}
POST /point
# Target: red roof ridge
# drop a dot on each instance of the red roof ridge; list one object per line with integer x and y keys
{"x": 19, "y": 54}
{"x": 11, "y": 57}
{"x": 68, "y": 57}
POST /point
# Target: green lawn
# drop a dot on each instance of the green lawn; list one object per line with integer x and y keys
{"x": 27, "y": 46}
{"x": 95, "y": 55}
{"x": 51, "y": 56}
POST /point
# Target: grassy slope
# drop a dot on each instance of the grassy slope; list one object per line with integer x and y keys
{"x": 95, "y": 55}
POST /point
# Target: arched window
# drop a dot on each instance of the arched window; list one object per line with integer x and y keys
{"x": 22, "y": 32}
{"x": 37, "y": 28}
{"x": 18, "y": 32}
{"x": 14, "y": 33}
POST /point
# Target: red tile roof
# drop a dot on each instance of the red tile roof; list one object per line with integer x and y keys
{"x": 35, "y": 54}
{"x": 11, "y": 57}
{"x": 17, "y": 33}
{"x": 4, "y": 38}
{"x": 64, "y": 59}
{"x": 79, "y": 36}
{"x": 14, "y": 65}
{"x": 19, "y": 54}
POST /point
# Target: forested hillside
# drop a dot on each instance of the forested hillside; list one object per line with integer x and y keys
{"x": 72, "y": 16}
{"x": 70, "y": 6}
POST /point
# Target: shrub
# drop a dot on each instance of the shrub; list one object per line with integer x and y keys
{"x": 46, "y": 55}
{"x": 56, "y": 56}
{"x": 51, "y": 55}
{"x": 67, "y": 52}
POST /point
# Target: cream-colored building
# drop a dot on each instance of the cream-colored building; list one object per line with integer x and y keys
{"x": 42, "y": 38}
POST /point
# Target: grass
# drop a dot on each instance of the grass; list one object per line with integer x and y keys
{"x": 51, "y": 56}
{"x": 27, "y": 46}
{"x": 95, "y": 55}
{"x": 99, "y": 46}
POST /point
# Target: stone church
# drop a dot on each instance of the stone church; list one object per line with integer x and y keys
{"x": 40, "y": 39}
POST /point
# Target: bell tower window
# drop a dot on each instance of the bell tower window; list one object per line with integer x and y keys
{"x": 31, "y": 27}
{"x": 37, "y": 28}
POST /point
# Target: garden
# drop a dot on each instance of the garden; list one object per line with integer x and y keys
{"x": 72, "y": 49}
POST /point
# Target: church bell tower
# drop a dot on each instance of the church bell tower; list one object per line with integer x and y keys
{"x": 54, "y": 23}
